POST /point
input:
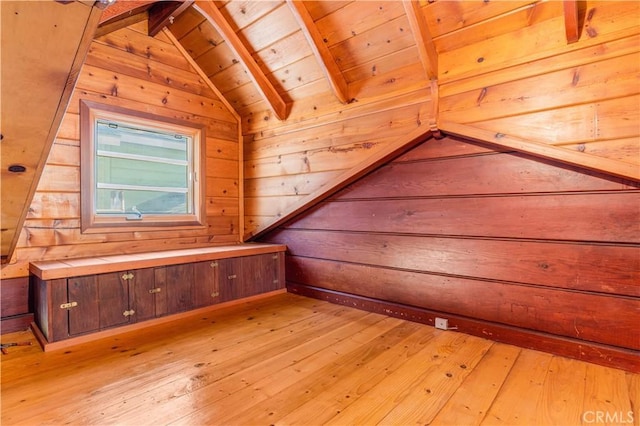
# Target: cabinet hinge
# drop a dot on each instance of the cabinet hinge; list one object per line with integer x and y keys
{"x": 69, "y": 305}
{"x": 155, "y": 290}
{"x": 128, "y": 276}
{"x": 128, "y": 313}
{"x": 215, "y": 294}
{"x": 232, "y": 277}
{"x": 213, "y": 264}
{"x": 274, "y": 257}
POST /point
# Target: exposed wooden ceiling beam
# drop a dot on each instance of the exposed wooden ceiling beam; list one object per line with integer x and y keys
{"x": 123, "y": 9}
{"x": 211, "y": 12}
{"x": 571, "y": 22}
{"x": 120, "y": 23}
{"x": 539, "y": 149}
{"x": 163, "y": 13}
{"x": 320, "y": 50}
{"x": 424, "y": 41}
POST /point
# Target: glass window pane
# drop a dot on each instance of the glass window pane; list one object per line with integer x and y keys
{"x": 119, "y": 138}
{"x": 138, "y": 163}
{"x": 110, "y": 201}
{"x": 141, "y": 173}
{"x": 139, "y": 169}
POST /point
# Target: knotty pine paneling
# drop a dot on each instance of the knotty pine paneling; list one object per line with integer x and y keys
{"x": 610, "y": 78}
{"x": 129, "y": 69}
{"x": 139, "y": 44}
{"x": 354, "y": 19}
{"x": 449, "y": 17}
{"x": 275, "y": 25}
{"x": 297, "y": 158}
{"x": 492, "y": 237}
{"x": 376, "y": 42}
{"x": 606, "y": 21}
{"x": 579, "y": 96}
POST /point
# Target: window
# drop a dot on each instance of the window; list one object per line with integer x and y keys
{"x": 139, "y": 170}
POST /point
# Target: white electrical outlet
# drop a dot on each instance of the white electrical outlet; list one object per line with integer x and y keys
{"x": 442, "y": 323}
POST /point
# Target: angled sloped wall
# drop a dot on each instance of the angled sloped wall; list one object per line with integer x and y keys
{"x": 503, "y": 245}
{"x": 127, "y": 68}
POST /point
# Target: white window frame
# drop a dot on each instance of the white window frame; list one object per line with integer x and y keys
{"x": 93, "y": 221}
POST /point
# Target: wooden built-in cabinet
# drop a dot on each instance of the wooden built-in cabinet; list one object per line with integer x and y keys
{"x": 70, "y": 302}
{"x": 246, "y": 276}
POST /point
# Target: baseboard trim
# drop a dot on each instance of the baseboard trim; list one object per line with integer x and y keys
{"x": 610, "y": 356}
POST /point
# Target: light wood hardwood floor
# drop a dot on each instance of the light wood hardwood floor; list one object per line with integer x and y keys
{"x": 292, "y": 360}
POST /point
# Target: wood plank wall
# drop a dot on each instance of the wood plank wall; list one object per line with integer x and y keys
{"x": 504, "y": 245}
{"x": 531, "y": 84}
{"x": 130, "y": 69}
{"x": 503, "y": 66}
{"x": 286, "y": 163}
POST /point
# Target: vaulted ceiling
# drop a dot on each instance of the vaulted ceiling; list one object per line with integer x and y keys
{"x": 268, "y": 55}
{"x": 274, "y": 60}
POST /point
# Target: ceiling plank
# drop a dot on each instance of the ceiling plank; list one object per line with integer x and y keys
{"x": 424, "y": 41}
{"x": 36, "y": 94}
{"x": 211, "y": 12}
{"x": 571, "y": 23}
{"x": 543, "y": 150}
{"x": 320, "y": 50}
{"x": 167, "y": 32}
{"x": 163, "y": 13}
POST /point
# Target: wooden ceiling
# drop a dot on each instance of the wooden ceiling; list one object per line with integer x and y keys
{"x": 268, "y": 55}
{"x": 276, "y": 63}
{"x": 276, "y": 53}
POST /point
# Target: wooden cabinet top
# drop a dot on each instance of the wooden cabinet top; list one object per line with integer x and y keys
{"x": 48, "y": 270}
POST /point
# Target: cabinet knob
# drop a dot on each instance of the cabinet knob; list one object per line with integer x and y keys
{"x": 232, "y": 277}
{"x": 155, "y": 290}
{"x": 69, "y": 305}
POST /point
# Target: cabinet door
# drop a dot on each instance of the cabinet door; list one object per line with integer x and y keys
{"x": 54, "y": 324}
{"x": 230, "y": 277}
{"x": 179, "y": 284}
{"x": 84, "y": 316}
{"x": 260, "y": 274}
{"x": 206, "y": 290}
{"x": 146, "y": 300}
{"x": 113, "y": 296}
